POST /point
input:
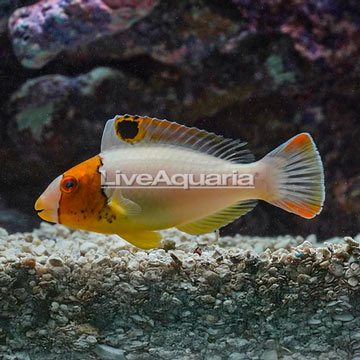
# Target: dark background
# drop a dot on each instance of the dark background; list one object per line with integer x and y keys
{"x": 261, "y": 71}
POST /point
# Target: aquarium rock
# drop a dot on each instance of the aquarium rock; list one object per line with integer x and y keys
{"x": 328, "y": 33}
{"x": 41, "y": 31}
{"x": 7, "y": 7}
{"x": 68, "y": 294}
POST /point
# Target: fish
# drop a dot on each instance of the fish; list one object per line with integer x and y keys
{"x": 206, "y": 181}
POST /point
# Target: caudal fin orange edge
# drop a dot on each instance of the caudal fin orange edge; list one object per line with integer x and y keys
{"x": 302, "y": 209}
{"x": 299, "y": 141}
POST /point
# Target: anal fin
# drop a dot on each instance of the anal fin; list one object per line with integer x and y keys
{"x": 142, "y": 239}
{"x": 218, "y": 219}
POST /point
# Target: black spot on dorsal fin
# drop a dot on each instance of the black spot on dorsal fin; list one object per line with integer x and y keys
{"x": 127, "y": 129}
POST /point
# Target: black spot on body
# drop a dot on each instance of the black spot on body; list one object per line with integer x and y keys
{"x": 126, "y": 116}
{"x": 127, "y": 129}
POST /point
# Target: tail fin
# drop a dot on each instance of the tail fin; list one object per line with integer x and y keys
{"x": 296, "y": 177}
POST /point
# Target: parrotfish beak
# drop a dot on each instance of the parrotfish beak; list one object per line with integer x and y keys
{"x": 47, "y": 205}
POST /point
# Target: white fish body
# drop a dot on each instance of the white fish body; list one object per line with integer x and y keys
{"x": 164, "y": 208}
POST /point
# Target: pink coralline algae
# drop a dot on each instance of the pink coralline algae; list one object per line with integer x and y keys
{"x": 322, "y": 30}
{"x": 41, "y": 31}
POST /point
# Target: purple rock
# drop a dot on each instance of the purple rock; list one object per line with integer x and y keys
{"x": 180, "y": 34}
{"x": 41, "y": 31}
{"x": 326, "y": 30}
{"x": 7, "y": 7}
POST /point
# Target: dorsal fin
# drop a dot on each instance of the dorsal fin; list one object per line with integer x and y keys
{"x": 219, "y": 219}
{"x": 128, "y": 130}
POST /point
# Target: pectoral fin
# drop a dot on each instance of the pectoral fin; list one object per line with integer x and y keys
{"x": 142, "y": 239}
{"x": 123, "y": 206}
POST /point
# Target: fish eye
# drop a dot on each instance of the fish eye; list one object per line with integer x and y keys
{"x": 69, "y": 184}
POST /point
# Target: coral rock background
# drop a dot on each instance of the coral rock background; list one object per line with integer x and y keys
{"x": 261, "y": 71}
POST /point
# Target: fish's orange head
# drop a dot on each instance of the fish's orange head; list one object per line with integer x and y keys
{"x": 75, "y": 198}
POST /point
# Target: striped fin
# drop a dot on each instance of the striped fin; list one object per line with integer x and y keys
{"x": 219, "y": 219}
{"x": 127, "y": 130}
{"x": 297, "y": 181}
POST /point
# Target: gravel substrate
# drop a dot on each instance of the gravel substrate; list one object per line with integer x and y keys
{"x": 76, "y": 295}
